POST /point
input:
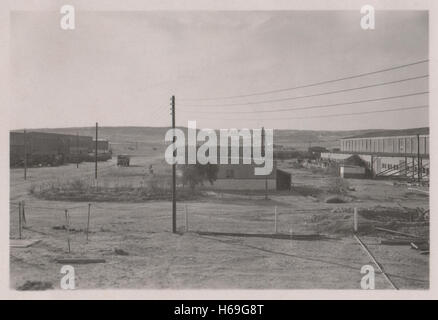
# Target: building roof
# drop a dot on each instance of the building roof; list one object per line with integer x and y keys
{"x": 354, "y": 160}
{"x": 392, "y": 133}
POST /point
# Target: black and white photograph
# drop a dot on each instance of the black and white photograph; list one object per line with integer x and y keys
{"x": 189, "y": 149}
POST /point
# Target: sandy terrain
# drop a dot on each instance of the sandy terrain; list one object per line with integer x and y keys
{"x": 156, "y": 258}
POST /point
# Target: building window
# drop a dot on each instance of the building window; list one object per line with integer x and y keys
{"x": 229, "y": 173}
{"x": 384, "y": 165}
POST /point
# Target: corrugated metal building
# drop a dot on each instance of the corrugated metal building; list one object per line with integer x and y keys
{"x": 398, "y": 143}
{"x": 389, "y": 152}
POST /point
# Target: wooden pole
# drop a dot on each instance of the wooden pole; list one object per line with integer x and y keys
{"x": 88, "y": 220}
{"x": 418, "y": 159}
{"x": 67, "y": 220}
{"x": 173, "y": 172}
{"x": 95, "y": 155}
{"x": 25, "y": 154}
{"x": 275, "y": 219}
{"x": 23, "y": 213}
{"x": 263, "y": 153}
{"x": 355, "y": 222}
{"x": 77, "y": 150}
{"x": 19, "y": 219}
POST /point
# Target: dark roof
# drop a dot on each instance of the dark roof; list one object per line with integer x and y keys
{"x": 392, "y": 133}
{"x": 354, "y": 160}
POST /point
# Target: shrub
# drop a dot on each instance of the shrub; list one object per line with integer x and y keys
{"x": 338, "y": 186}
{"x": 196, "y": 174}
{"x": 76, "y": 185}
{"x": 335, "y": 199}
{"x": 32, "y": 189}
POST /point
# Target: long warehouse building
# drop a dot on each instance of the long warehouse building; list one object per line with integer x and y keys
{"x": 388, "y": 152}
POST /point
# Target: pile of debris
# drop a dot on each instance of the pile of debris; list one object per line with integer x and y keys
{"x": 400, "y": 238}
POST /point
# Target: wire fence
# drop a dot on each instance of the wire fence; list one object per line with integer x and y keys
{"x": 61, "y": 224}
{"x": 69, "y": 225}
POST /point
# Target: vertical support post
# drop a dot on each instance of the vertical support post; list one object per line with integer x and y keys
{"x": 95, "y": 155}
{"x": 418, "y": 159}
{"x": 263, "y": 154}
{"x": 173, "y": 171}
{"x": 187, "y": 218}
{"x": 355, "y": 222}
{"x": 25, "y": 154}
{"x": 77, "y": 150}
{"x": 88, "y": 220}
{"x": 67, "y": 221}
{"x": 413, "y": 168}
{"x": 275, "y": 220}
{"x": 23, "y": 213}
{"x": 20, "y": 208}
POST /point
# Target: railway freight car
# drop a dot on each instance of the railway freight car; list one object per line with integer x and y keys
{"x": 43, "y": 149}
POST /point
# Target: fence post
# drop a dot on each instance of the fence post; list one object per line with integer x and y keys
{"x": 67, "y": 220}
{"x": 19, "y": 219}
{"x": 275, "y": 219}
{"x": 355, "y": 222}
{"x": 187, "y": 218}
{"x": 23, "y": 214}
{"x": 88, "y": 219}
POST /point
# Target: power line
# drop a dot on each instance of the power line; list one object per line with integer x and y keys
{"x": 310, "y": 95}
{"x": 314, "y": 106}
{"x": 309, "y": 85}
{"x": 331, "y": 115}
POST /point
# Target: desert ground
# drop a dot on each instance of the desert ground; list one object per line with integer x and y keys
{"x": 229, "y": 243}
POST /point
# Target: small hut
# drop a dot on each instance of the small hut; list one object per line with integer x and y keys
{"x": 352, "y": 167}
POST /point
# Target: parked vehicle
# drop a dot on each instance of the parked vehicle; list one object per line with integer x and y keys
{"x": 123, "y": 160}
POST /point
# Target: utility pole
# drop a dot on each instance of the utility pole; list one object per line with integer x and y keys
{"x": 25, "y": 154}
{"x": 77, "y": 149}
{"x": 263, "y": 154}
{"x": 173, "y": 171}
{"x": 418, "y": 159}
{"x": 95, "y": 158}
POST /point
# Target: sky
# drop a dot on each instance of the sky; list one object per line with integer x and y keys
{"x": 121, "y": 69}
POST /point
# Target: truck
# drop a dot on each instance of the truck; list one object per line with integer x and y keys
{"x": 123, "y": 160}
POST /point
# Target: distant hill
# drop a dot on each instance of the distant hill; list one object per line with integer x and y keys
{"x": 125, "y": 139}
